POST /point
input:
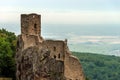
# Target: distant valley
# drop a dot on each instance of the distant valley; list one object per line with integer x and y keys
{"x": 106, "y": 49}
{"x": 101, "y": 39}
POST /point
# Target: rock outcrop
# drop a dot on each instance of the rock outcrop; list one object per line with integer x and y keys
{"x": 36, "y": 64}
{"x": 40, "y": 59}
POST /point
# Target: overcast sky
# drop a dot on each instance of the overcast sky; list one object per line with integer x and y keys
{"x": 62, "y": 11}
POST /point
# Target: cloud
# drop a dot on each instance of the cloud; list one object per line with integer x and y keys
{"x": 83, "y": 17}
{"x": 76, "y": 39}
{"x": 67, "y": 16}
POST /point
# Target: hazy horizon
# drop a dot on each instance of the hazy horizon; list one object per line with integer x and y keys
{"x": 94, "y": 22}
{"x": 79, "y": 17}
{"x": 75, "y": 33}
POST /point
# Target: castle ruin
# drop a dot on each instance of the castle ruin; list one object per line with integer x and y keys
{"x": 40, "y": 59}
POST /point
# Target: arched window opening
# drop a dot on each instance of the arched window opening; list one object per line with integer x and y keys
{"x": 35, "y": 26}
{"x": 54, "y": 48}
{"x": 58, "y": 55}
{"x": 54, "y": 56}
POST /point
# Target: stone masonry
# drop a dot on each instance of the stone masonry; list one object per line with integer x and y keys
{"x": 40, "y": 59}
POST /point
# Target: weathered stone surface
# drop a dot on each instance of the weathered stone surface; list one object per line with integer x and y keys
{"x": 39, "y": 59}
{"x": 36, "y": 64}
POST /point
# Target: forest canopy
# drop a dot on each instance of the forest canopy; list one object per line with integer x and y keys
{"x": 7, "y": 53}
{"x": 99, "y": 67}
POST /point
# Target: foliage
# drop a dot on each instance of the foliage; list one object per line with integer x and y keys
{"x": 7, "y": 53}
{"x": 99, "y": 67}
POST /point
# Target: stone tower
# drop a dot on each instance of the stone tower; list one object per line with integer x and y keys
{"x": 31, "y": 24}
{"x": 30, "y": 30}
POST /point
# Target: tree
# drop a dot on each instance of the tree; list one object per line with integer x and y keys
{"x": 7, "y": 52}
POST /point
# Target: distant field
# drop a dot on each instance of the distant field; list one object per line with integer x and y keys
{"x": 107, "y": 49}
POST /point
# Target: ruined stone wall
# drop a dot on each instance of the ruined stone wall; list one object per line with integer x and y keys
{"x": 73, "y": 69}
{"x": 56, "y": 48}
{"x": 29, "y": 40}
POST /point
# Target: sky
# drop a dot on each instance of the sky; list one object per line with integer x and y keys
{"x": 63, "y": 11}
{"x": 82, "y": 22}
{"x": 70, "y": 19}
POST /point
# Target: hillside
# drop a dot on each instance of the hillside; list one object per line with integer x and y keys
{"x": 99, "y": 67}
